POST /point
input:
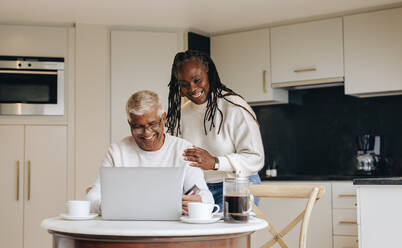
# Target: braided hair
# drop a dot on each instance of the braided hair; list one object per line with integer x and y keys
{"x": 215, "y": 91}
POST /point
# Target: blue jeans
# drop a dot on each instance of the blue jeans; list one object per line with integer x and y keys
{"x": 255, "y": 179}
{"x": 217, "y": 190}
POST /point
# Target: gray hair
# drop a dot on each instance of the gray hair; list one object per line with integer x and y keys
{"x": 143, "y": 102}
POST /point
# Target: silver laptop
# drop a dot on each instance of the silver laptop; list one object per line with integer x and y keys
{"x": 141, "y": 193}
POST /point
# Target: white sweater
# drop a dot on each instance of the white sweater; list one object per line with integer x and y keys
{"x": 126, "y": 153}
{"x": 238, "y": 146}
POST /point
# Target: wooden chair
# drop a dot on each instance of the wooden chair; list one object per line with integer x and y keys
{"x": 310, "y": 192}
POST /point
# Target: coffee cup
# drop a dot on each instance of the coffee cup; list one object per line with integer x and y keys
{"x": 201, "y": 210}
{"x": 78, "y": 208}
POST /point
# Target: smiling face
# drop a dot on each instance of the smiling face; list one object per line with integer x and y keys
{"x": 193, "y": 82}
{"x": 148, "y": 129}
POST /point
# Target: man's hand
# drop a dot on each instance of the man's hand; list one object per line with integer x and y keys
{"x": 189, "y": 198}
{"x": 200, "y": 158}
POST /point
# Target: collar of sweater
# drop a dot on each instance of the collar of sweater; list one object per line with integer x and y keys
{"x": 199, "y": 107}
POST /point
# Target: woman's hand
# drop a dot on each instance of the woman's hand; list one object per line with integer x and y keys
{"x": 189, "y": 198}
{"x": 200, "y": 158}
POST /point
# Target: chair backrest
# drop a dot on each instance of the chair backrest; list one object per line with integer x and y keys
{"x": 310, "y": 192}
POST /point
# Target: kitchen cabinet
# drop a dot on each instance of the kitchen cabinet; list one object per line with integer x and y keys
{"x": 373, "y": 53}
{"x": 11, "y": 175}
{"x": 33, "y": 182}
{"x": 139, "y": 61}
{"x": 307, "y": 53}
{"x": 18, "y": 40}
{"x": 243, "y": 63}
{"x": 344, "y": 214}
{"x": 346, "y": 242}
{"x": 281, "y": 211}
{"x": 379, "y": 211}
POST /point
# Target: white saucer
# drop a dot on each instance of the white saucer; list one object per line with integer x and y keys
{"x": 88, "y": 217}
{"x": 199, "y": 221}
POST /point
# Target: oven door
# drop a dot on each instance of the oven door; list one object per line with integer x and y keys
{"x": 24, "y": 92}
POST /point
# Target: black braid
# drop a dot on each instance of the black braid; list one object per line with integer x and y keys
{"x": 215, "y": 91}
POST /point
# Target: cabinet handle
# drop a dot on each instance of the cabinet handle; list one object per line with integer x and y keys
{"x": 29, "y": 180}
{"x": 347, "y": 222}
{"x": 18, "y": 180}
{"x": 264, "y": 81}
{"x": 346, "y": 196}
{"x": 305, "y": 70}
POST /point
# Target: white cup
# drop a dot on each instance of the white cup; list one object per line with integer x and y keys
{"x": 200, "y": 210}
{"x": 78, "y": 208}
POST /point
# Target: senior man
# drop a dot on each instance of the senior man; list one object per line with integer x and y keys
{"x": 150, "y": 146}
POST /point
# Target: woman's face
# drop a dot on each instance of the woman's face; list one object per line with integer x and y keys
{"x": 193, "y": 82}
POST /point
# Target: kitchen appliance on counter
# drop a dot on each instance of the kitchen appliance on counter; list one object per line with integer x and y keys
{"x": 31, "y": 85}
{"x": 368, "y": 154}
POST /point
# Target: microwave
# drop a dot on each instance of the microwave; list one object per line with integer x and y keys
{"x": 31, "y": 85}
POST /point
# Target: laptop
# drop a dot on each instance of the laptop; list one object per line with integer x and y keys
{"x": 141, "y": 193}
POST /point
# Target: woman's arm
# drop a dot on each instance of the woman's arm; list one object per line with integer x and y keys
{"x": 244, "y": 135}
{"x": 244, "y": 131}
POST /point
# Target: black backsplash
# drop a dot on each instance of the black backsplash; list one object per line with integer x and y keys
{"x": 315, "y": 135}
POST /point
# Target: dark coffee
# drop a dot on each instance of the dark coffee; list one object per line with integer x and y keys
{"x": 235, "y": 208}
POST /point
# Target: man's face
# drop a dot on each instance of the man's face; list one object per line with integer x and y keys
{"x": 148, "y": 130}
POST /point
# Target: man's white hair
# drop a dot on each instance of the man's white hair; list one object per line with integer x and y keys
{"x": 143, "y": 102}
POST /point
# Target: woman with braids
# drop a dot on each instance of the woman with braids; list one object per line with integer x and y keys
{"x": 217, "y": 120}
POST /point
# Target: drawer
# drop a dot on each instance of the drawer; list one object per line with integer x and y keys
{"x": 346, "y": 242}
{"x": 343, "y": 195}
{"x": 344, "y": 222}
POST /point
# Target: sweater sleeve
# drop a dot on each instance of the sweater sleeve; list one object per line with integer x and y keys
{"x": 244, "y": 131}
{"x": 195, "y": 176}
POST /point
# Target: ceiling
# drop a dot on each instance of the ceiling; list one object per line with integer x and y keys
{"x": 208, "y": 16}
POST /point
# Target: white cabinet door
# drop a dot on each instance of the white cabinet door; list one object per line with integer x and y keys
{"x": 139, "y": 61}
{"x": 46, "y": 181}
{"x": 11, "y": 207}
{"x": 379, "y": 211}
{"x": 281, "y": 211}
{"x": 17, "y": 40}
{"x": 243, "y": 63}
{"x": 373, "y": 53}
{"x": 307, "y": 51}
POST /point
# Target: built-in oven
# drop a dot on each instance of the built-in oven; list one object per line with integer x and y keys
{"x": 31, "y": 85}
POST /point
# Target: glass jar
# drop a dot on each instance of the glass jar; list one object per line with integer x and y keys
{"x": 237, "y": 200}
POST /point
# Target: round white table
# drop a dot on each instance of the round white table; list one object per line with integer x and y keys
{"x": 100, "y": 233}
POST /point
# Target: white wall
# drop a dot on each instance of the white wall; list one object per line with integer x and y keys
{"x": 92, "y": 94}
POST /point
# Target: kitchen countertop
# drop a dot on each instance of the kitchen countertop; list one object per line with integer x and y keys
{"x": 378, "y": 181}
{"x": 317, "y": 178}
{"x": 149, "y": 228}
